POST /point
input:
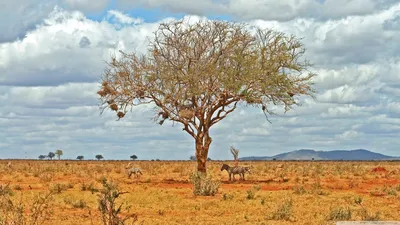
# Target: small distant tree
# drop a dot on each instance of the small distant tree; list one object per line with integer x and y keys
{"x": 196, "y": 74}
{"x": 51, "y": 155}
{"x": 235, "y": 153}
{"x": 192, "y": 158}
{"x": 80, "y": 157}
{"x": 98, "y": 157}
{"x": 59, "y": 153}
{"x": 133, "y": 157}
{"x": 208, "y": 159}
{"x": 41, "y": 157}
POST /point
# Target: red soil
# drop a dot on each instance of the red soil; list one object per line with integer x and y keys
{"x": 379, "y": 169}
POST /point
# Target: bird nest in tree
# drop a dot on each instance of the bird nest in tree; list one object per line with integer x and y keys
{"x": 102, "y": 93}
{"x": 140, "y": 93}
{"x": 107, "y": 90}
{"x": 187, "y": 113}
{"x": 163, "y": 114}
{"x": 114, "y": 107}
{"x": 120, "y": 114}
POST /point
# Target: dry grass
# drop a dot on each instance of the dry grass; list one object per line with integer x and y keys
{"x": 275, "y": 192}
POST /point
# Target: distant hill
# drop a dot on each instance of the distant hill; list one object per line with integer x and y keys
{"x": 308, "y": 154}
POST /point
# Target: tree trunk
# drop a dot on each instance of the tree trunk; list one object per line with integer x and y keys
{"x": 203, "y": 142}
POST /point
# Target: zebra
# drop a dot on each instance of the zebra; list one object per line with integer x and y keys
{"x": 133, "y": 170}
{"x": 235, "y": 170}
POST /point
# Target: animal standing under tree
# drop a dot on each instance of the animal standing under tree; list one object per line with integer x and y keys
{"x": 232, "y": 171}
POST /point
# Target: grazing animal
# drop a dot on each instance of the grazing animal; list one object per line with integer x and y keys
{"x": 133, "y": 170}
{"x": 9, "y": 165}
{"x": 235, "y": 170}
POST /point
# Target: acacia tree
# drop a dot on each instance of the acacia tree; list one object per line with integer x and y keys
{"x": 196, "y": 74}
{"x": 51, "y": 155}
{"x": 59, "y": 153}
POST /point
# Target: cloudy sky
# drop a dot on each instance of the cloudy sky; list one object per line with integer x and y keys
{"x": 53, "y": 52}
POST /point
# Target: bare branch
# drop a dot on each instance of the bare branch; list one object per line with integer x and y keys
{"x": 222, "y": 114}
{"x": 235, "y": 153}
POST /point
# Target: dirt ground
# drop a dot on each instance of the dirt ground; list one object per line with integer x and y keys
{"x": 276, "y": 192}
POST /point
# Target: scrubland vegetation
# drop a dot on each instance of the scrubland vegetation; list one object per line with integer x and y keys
{"x": 97, "y": 192}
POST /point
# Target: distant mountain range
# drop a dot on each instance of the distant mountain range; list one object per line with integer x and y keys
{"x": 309, "y": 154}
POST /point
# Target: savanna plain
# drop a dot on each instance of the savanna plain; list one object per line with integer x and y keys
{"x": 276, "y": 192}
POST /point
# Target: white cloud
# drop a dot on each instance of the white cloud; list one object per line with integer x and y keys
{"x": 123, "y": 18}
{"x": 50, "y": 77}
{"x": 349, "y": 94}
{"x": 53, "y": 96}
{"x": 18, "y": 16}
{"x": 54, "y": 51}
{"x": 255, "y": 131}
{"x": 188, "y": 7}
{"x": 283, "y": 10}
{"x": 348, "y": 111}
{"x": 348, "y": 135}
{"x": 87, "y": 5}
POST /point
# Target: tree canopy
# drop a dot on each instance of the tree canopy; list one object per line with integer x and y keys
{"x": 196, "y": 74}
{"x": 51, "y": 155}
{"x": 59, "y": 153}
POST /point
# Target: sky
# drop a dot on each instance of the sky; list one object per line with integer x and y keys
{"x": 53, "y": 53}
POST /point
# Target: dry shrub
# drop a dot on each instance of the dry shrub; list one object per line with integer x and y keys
{"x": 284, "y": 211}
{"x": 227, "y": 196}
{"x": 19, "y": 212}
{"x": 46, "y": 177}
{"x": 340, "y": 213}
{"x": 59, "y": 188}
{"x": 251, "y": 194}
{"x": 111, "y": 212}
{"x": 299, "y": 190}
{"x": 203, "y": 184}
